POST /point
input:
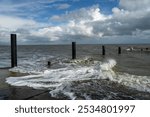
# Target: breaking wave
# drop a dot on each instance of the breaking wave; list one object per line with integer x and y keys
{"x": 59, "y": 80}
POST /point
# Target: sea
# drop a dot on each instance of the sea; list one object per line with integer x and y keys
{"x": 91, "y": 76}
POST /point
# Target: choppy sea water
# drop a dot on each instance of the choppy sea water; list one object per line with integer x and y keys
{"x": 90, "y": 76}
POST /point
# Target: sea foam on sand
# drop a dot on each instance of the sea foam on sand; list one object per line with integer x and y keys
{"x": 59, "y": 80}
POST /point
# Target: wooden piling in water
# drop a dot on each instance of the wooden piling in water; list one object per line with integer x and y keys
{"x": 13, "y": 50}
{"x": 73, "y": 50}
{"x": 48, "y": 63}
{"x": 119, "y": 50}
{"x": 103, "y": 50}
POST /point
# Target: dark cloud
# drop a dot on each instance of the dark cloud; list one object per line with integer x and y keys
{"x": 130, "y": 22}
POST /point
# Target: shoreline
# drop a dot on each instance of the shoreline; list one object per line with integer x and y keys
{"x": 8, "y": 92}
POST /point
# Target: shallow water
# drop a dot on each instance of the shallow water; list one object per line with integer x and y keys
{"x": 90, "y": 76}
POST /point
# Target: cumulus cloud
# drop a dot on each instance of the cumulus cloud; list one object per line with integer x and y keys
{"x": 133, "y": 5}
{"x": 21, "y": 26}
{"x": 52, "y": 33}
{"x": 90, "y": 22}
{"x": 132, "y": 16}
{"x": 129, "y": 21}
{"x": 78, "y": 24}
{"x": 84, "y": 14}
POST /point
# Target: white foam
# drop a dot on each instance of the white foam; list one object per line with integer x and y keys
{"x": 141, "y": 83}
{"x": 61, "y": 78}
{"x": 63, "y": 89}
{"x": 35, "y": 65}
{"x": 108, "y": 65}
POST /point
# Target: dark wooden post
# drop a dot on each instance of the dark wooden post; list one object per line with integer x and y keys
{"x": 13, "y": 50}
{"x": 73, "y": 50}
{"x": 48, "y": 64}
{"x": 119, "y": 50}
{"x": 103, "y": 50}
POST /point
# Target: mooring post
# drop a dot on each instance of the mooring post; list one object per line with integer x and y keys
{"x": 73, "y": 50}
{"x": 13, "y": 50}
{"x": 103, "y": 50}
{"x": 48, "y": 64}
{"x": 119, "y": 50}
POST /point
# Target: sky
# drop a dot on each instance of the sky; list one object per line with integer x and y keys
{"x": 83, "y": 21}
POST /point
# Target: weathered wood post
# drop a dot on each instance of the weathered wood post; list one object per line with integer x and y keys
{"x": 119, "y": 50}
{"x": 103, "y": 50}
{"x": 48, "y": 64}
{"x": 73, "y": 50}
{"x": 13, "y": 50}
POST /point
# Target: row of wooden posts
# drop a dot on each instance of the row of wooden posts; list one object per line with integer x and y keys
{"x": 14, "y": 50}
{"x": 103, "y": 50}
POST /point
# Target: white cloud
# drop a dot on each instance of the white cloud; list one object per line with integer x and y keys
{"x": 23, "y": 27}
{"x": 91, "y": 23}
{"x": 14, "y": 23}
{"x": 126, "y": 22}
{"x": 83, "y": 14}
{"x": 131, "y": 20}
{"x": 79, "y": 29}
{"x": 133, "y": 5}
{"x": 77, "y": 24}
{"x": 63, "y": 6}
{"x": 72, "y": 30}
{"x": 52, "y": 33}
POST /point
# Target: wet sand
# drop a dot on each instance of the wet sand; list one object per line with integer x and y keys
{"x": 96, "y": 88}
{"x": 8, "y": 92}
